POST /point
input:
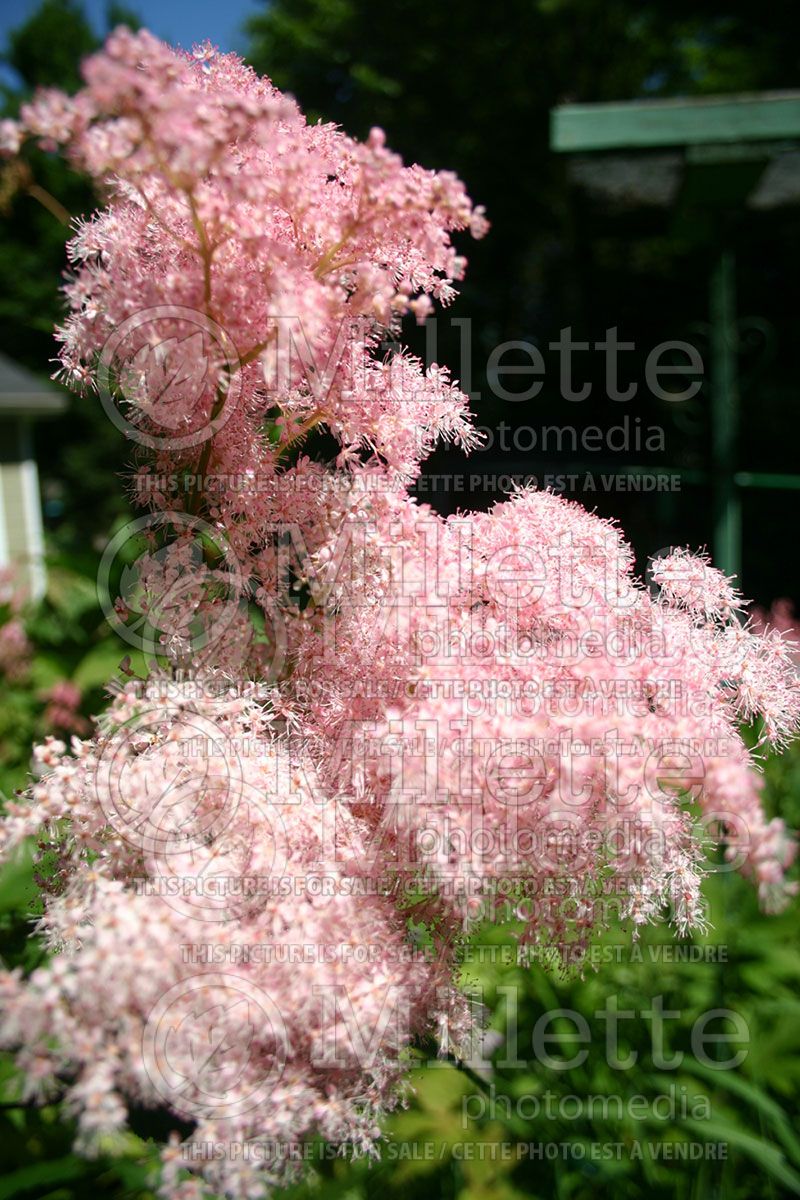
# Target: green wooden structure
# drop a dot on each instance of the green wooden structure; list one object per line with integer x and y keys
{"x": 707, "y": 120}
{"x": 697, "y": 157}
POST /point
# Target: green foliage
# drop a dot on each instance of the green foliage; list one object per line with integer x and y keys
{"x": 37, "y": 1162}
{"x": 70, "y": 641}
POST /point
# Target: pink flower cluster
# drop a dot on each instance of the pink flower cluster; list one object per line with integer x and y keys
{"x": 226, "y": 204}
{"x": 15, "y": 650}
{"x": 62, "y": 712}
{"x": 365, "y": 729}
{"x": 781, "y": 618}
{"x": 15, "y": 646}
{"x": 213, "y": 956}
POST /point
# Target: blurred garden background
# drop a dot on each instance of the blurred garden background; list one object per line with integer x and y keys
{"x": 573, "y": 245}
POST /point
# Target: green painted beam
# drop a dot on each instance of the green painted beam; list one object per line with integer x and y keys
{"x": 643, "y": 124}
{"x": 767, "y": 479}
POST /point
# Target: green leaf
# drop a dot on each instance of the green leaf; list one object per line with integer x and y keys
{"x": 71, "y": 595}
{"x": 17, "y": 887}
{"x": 43, "y": 1176}
{"x": 100, "y": 665}
{"x": 771, "y": 1111}
{"x": 765, "y": 1154}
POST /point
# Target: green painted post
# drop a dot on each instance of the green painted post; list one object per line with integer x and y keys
{"x": 727, "y": 506}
